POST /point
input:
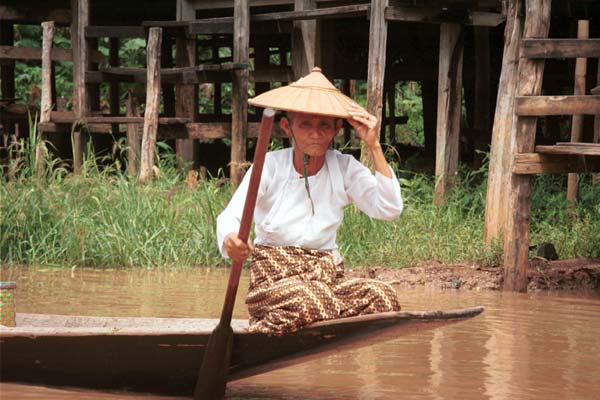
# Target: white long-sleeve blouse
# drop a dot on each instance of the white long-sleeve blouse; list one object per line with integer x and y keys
{"x": 283, "y": 214}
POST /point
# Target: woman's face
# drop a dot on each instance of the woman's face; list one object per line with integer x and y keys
{"x": 311, "y": 133}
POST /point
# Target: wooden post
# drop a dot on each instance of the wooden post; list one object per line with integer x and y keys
{"x": 81, "y": 63}
{"x": 583, "y": 32}
{"x": 46, "y": 102}
{"x": 133, "y": 135}
{"x": 500, "y": 154}
{"x": 481, "y": 114}
{"x": 113, "y": 88}
{"x": 376, "y": 67}
{"x": 429, "y": 98}
{"x": 186, "y": 96}
{"x": 239, "y": 92}
{"x": 217, "y": 87}
{"x": 516, "y": 238}
{"x": 449, "y": 108}
{"x": 152, "y": 104}
{"x": 303, "y": 41}
{"x": 596, "y": 137}
{"x": 391, "y": 99}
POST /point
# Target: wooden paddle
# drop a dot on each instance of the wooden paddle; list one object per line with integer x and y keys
{"x": 215, "y": 364}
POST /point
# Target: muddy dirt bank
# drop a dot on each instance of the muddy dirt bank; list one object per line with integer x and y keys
{"x": 579, "y": 275}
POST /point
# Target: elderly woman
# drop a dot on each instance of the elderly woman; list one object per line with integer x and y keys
{"x": 296, "y": 275}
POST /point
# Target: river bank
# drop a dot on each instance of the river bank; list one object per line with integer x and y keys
{"x": 581, "y": 275}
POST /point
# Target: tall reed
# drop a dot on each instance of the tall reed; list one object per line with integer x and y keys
{"x": 101, "y": 217}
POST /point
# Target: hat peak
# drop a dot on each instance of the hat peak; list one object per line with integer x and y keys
{"x": 316, "y": 69}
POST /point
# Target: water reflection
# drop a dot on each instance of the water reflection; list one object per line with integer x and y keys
{"x": 523, "y": 346}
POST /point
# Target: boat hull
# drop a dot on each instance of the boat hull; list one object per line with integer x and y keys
{"x": 163, "y": 356}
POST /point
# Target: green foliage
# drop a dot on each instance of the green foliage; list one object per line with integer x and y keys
{"x": 101, "y": 217}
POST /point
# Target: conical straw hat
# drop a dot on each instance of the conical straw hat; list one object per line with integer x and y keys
{"x": 311, "y": 94}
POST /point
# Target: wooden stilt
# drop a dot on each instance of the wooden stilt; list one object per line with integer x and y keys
{"x": 80, "y": 140}
{"x": 429, "y": 98}
{"x": 81, "y": 64}
{"x": 499, "y": 173}
{"x": 113, "y": 88}
{"x": 516, "y": 239}
{"x": 217, "y": 86}
{"x": 239, "y": 98}
{"x": 93, "y": 88}
{"x": 376, "y": 66}
{"x": 481, "y": 114}
{"x": 391, "y": 100}
{"x": 303, "y": 41}
{"x": 583, "y": 32}
{"x": 449, "y": 108}
{"x": 152, "y": 105}
{"x": 186, "y": 96}
{"x": 134, "y": 135}
{"x": 46, "y": 101}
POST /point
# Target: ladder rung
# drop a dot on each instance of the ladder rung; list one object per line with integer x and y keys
{"x": 557, "y": 105}
{"x": 560, "y": 48}
{"x": 587, "y": 149}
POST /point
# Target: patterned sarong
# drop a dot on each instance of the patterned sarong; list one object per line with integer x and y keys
{"x": 291, "y": 287}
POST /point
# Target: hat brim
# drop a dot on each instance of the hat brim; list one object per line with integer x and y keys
{"x": 319, "y": 101}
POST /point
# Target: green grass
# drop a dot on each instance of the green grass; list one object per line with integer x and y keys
{"x": 102, "y": 218}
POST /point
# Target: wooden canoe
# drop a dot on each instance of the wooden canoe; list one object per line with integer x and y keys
{"x": 163, "y": 355}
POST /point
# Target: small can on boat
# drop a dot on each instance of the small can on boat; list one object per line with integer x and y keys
{"x": 8, "y": 307}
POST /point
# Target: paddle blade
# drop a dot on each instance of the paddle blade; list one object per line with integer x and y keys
{"x": 212, "y": 378}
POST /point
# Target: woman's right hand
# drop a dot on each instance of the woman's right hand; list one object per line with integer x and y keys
{"x": 236, "y": 249}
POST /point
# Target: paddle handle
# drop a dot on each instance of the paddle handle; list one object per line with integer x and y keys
{"x": 266, "y": 124}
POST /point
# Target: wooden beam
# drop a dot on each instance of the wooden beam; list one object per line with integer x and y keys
{"x": 299, "y": 14}
{"x": 557, "y": 105}
{"x": 36, "y": 14}
{"x": 516, "y": 239}
{"x": 117, "y": 32}
{"x": 587, "y": 149}
{"x": 431, "y": 15}
{"x": 185, "y": 75}
{"x": 449, "y": 109}
{"x": 378, "y": 32}
{"x": 239, "y": 91}
{"x": 152, "y": 105}
{"x": 560, "y": 48}
{"x": 500, "y": 153}
{"x": 35, "y": 53}
{"x": 303, "y": 40}
{"x": 535, "y": 163}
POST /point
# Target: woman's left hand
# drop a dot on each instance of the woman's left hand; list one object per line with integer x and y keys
{"x": 365, "y": 125}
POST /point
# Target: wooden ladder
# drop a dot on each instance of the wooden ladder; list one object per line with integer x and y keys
{"x": 528, "y": 159}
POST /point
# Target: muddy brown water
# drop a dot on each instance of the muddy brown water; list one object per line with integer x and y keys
{"x": 543, "y": 346}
